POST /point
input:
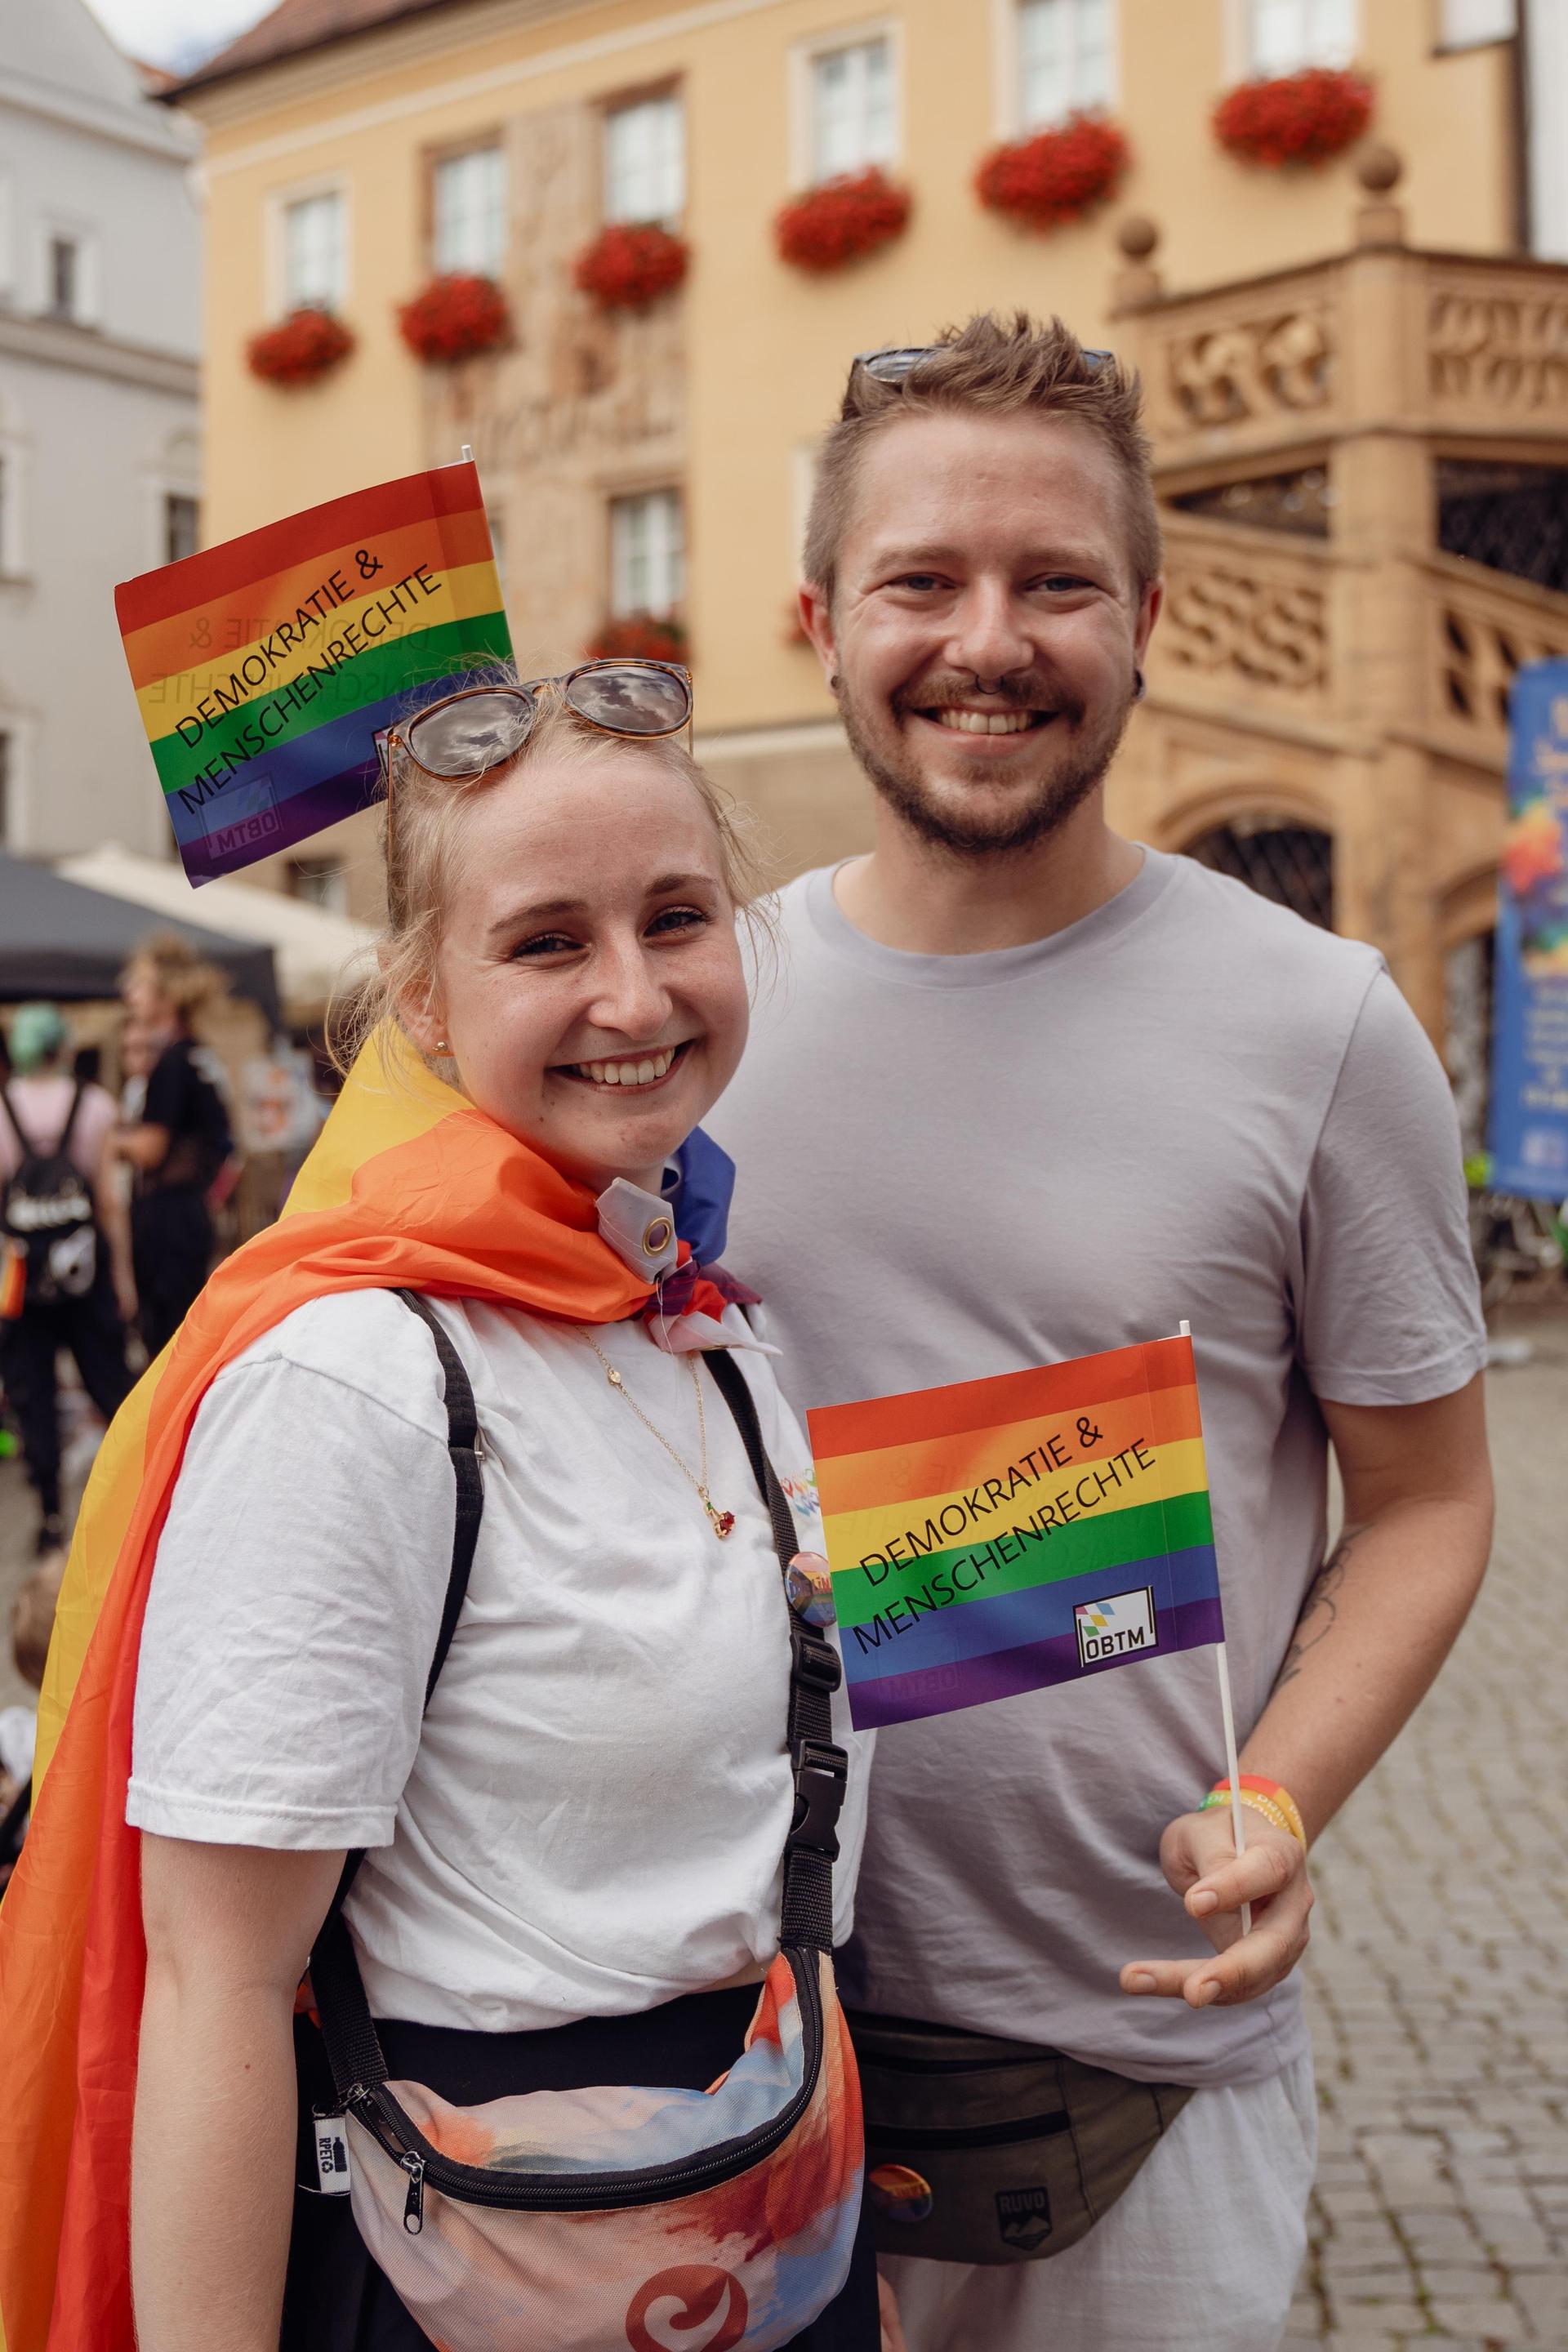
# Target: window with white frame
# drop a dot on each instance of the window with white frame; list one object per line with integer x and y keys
{"x": 468, "y": 226}
{"x": 12, "y": 551}
{"x": 852, "y": 120}
{"x": 1065, "y": 59}
{"x": 1470, "y": 24}
{"x": 647, "y": 554}
{"x": 182, "y": 525}
{"x": 65, "y": 291}
{"x": 644, "y": 160}
{"x": 315, "y": 252}
{"x": 1284, "y": 36}
{"x": 319, "y": 882}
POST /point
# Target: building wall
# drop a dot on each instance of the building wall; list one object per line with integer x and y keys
{"x": 730, "y": 385}
{"x": 98, "y": 418}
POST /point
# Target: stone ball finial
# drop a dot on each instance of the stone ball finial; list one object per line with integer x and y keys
{"x": 1137, "y": 237}
{"x": 1379, "y": 170}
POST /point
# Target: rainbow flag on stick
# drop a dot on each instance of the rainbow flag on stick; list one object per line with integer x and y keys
{"x": 264, "y": 666}
{"x": 1006, "y": 1534}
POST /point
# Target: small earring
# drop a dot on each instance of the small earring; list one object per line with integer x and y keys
{"x": 1139, "y": 685}
{"x": 834, "y": 683}
{"x": 440, "y": 1046}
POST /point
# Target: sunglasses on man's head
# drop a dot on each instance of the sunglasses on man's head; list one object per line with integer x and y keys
{"x": 462, "y": 737}
{"x": 900, "y": 360}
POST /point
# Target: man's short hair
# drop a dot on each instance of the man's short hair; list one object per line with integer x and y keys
{"x": 990, "y": 366}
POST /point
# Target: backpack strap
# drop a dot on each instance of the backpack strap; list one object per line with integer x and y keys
{"x": 821, "y": 1769}
{"x": 354, "y": 2047}
{"x": 24, "y": 1140}
{"x": 63, "y": 1146}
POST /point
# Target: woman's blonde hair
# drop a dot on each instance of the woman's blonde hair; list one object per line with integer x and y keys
{"x": 420, "y": 830}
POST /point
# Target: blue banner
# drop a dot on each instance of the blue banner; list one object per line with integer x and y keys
{"x": 1528, "y": 1124}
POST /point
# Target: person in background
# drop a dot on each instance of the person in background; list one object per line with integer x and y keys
{"x": 68, "y": 1240}
{"x": 181, "y": 1139}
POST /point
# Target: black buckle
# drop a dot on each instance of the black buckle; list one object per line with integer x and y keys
{"x": 821, "y": 1774}
{"x": 813, "y": 1660}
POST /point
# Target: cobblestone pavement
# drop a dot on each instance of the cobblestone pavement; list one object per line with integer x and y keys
{"x": 1438, "y": 1969}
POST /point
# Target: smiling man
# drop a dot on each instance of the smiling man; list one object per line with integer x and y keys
{"x": 1031, "y": 1090}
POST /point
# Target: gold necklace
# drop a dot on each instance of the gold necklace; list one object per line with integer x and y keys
{"x": 720, "y": 1522}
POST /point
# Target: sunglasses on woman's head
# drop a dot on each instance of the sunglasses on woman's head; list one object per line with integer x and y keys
{"x": 462, "y": 737}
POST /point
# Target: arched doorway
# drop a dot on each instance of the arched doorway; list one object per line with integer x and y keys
{"x": 1291, "y": 863}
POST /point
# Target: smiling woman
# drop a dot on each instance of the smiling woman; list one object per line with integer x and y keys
{"x": 592, "y": 1844}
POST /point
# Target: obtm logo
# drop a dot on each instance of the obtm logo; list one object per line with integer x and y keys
{"x": 692, "y": 2308}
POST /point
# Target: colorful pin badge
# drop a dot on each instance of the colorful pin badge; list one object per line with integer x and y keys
{"x": 808, "y": 1584}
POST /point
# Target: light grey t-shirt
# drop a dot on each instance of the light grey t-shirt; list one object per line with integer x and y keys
{"x": 1191, "y": 1104}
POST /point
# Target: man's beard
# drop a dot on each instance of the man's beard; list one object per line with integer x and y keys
{"x": 1035, "y": 809}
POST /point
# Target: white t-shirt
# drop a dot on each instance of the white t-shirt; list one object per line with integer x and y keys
{"x": 1190, "y": 1105}
{"x": 591, "y": 1818}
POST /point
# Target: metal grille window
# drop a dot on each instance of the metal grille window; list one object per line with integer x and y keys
{"x": 851, "y": 109}
{"x": 647, "y": 554}
{"x": 314, "y": 253}
{"x": 1283, "y": 35}
{"x": 468, "y": 195}
{"x": 1467, "y": 991}
{"x": 182, "y": 519}
{"x": 1291, "y": 863}
{"x": 645, "y": 161}
{"x": 1511, "y": 517}
{"x": 1064, "y": 58}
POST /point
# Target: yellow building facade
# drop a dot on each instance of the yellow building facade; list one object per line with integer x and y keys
{"x": 662, "y": 460}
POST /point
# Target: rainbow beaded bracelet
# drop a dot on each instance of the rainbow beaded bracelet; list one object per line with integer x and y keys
{"x": 1265, "y": 1797}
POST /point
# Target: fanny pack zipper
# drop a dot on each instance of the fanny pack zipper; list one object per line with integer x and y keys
{"x": 997, "y": 2135}
{"x": 395, "y": 2131}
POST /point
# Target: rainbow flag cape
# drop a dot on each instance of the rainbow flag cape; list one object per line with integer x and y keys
{"x": 263, "y": 668}
{"x": 407, "y": 1185}
{"x": 1006, "y": 1534}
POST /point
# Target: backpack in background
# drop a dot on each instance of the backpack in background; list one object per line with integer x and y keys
{"x": 47, "y": 1218}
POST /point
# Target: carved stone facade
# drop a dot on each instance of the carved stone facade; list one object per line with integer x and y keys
{"x": 1326, "y": 668}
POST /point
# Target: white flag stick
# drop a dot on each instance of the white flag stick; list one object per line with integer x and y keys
{"x": 1232, "y": 1761}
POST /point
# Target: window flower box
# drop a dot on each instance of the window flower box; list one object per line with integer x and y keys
{"x": 1054, "y": 176}
{"x": 651, "y": 637}
{"x": 455, "y": 317}
{"x": 1302, "y": 118}
{"x": 301, "y": 349}
{"x": 841, "y": 221}
{"x": 631, "y": 264}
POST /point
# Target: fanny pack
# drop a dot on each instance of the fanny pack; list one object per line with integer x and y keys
{"x": 583, "y": 2220}
{"x": 988, "y": 2151}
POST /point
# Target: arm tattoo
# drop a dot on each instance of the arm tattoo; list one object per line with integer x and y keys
{"x": 1320, "y": 1608}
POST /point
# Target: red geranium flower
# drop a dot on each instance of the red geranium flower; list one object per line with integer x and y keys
{"x": 304, "y": 346}
{"x": 1055, "y": 176}
{"x": 841, "y": 220}
{"x": 631, "y": 264}
{"x": 1304, "y": 118}
{"x": 651, "y": 637}
{"x": 455, "y": 317}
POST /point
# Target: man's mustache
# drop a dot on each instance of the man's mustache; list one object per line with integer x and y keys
{"x": 957, "y": 690}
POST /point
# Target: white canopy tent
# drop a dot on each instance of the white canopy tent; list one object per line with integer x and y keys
{"x": 313, "y": 949}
